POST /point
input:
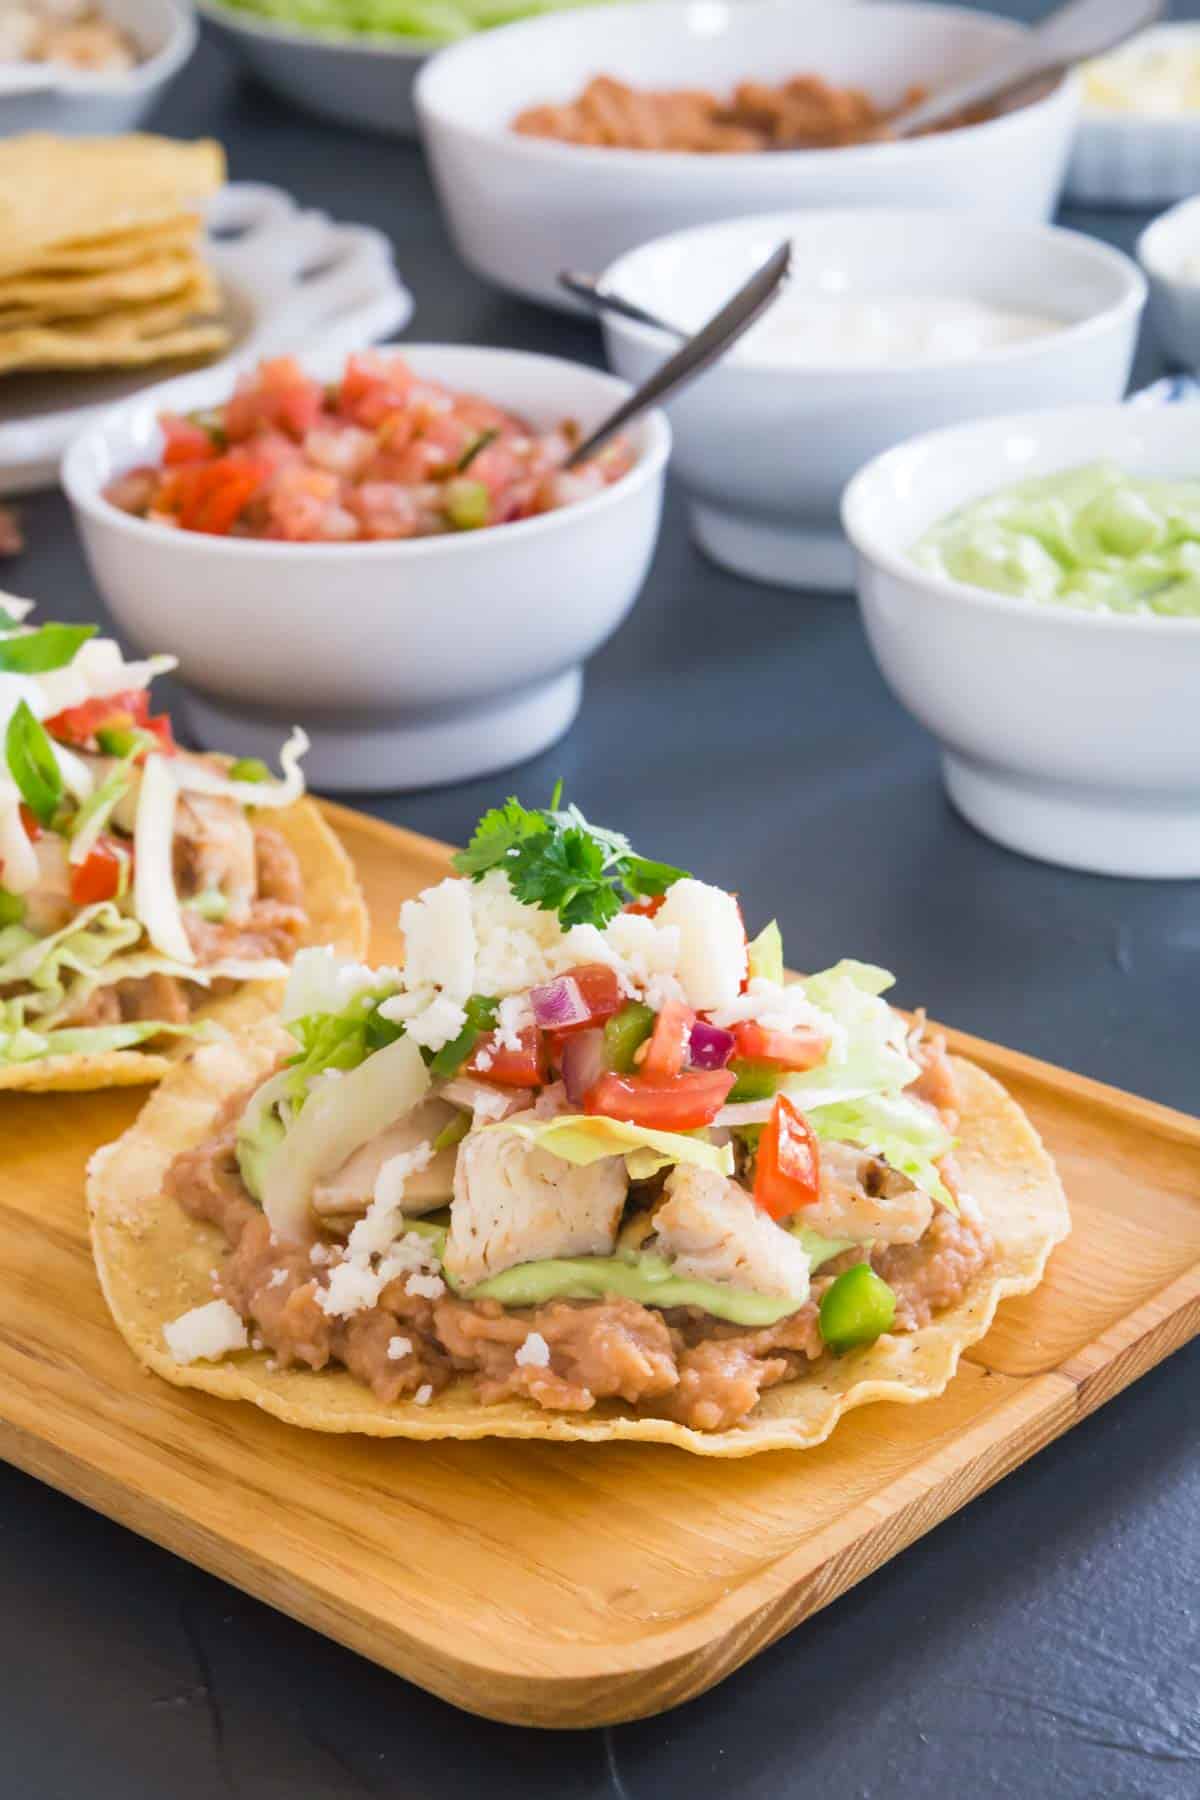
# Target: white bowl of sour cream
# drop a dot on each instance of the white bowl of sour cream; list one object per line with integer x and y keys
{"x": 1071, "y": 735}
{"x": 893, "y": 322}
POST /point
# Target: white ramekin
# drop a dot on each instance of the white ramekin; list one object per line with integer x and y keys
{"x": 1071, "y": 736}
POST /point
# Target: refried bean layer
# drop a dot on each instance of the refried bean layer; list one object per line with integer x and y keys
{"x": 681, "y": 1364}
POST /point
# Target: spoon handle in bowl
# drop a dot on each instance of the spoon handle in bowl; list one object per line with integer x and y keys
{"x": 1072, "y": 33}
{"x": 710, "y": 342}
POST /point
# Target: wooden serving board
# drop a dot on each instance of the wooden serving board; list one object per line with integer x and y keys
{"x": 570, "y": 1585}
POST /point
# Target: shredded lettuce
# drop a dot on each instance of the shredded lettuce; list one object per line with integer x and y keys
{"x": 50, "y": 972}
{"x": 583, "y": 1139}
{"x": 201, "y": 778}
{"x": 909, "y": 1135}
{"x": 55, "y": 976}
{"x": 24, "y": 1045}
{"x": 154, "y": 897}
{"x": 321, "y": 981}
{"x": 869, "y": 1054}
{"x": 341, "y": 1113}
{"x": 98, "y": 809}
{"x": 765, "y": 954}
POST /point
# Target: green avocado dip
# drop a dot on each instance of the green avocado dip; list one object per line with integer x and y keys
{"x": 1093, "y": 538}
{"x": 641, "y": 1276}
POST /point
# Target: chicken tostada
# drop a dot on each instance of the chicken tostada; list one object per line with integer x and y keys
{"x": 587, "y": 1166}
{"x": 147, "y": 894}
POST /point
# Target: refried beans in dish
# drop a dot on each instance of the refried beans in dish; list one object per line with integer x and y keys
{"x": 805, "y": 113}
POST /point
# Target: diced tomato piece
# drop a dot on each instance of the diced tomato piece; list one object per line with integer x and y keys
{"x": 787, "y": 1175}
{"x": 496, "y": 467}
{"x": 600, "y": 992}
{"x": 186, "y": 442}
{"x": 79, "y": 724}
{"x": 33, "y": 829}
{"x": 98, "y": 877}
{"x": 683, "y": 1103}
{"x": 280, "y": 395}
{"x": 521, "y": 1068}
{"x": 665, "y": 1051}
{"x": 209, "y": 496}
{"x": 646, "y": 906}
{"x": 373, "y": 386}
{"x": 802, "y": 1048}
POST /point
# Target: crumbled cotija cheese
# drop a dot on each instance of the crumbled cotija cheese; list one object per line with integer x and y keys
{"x": 424, "y": 1394}
{"x": 514, "y": 1016}
{"x": 398, "y": 1348}
{"x": 379, "y": 1249}
{"x": 206, "y": 1333}
{"x": 534, "y": 1352}
{"x": 777, "y": 1008}
{"x": 425, "y": 1287}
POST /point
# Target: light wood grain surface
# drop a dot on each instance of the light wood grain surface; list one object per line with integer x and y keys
{"x": 567, "y": 1585}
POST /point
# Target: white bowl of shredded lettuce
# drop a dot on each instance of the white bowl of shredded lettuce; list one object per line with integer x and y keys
{"x": 996, "y": 569}
{"x": 354, "y": 61}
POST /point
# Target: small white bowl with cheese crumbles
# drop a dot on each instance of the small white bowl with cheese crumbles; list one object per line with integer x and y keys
{"x": 893, "y": 322}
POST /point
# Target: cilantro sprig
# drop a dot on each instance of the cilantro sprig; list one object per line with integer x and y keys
{"x": 556, "y": 861}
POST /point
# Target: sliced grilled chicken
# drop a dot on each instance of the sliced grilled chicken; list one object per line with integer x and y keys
{"x": 863, "y": 1198}
{"x": 714, "y": 1232}
{"x": 515, "y": 1203}
{"x": 214, "y": 850}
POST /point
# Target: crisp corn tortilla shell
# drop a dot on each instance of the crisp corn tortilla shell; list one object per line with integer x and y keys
{"x": 54, "y": 190}
{"x": 174, "y": 232}
{"x": 123, "y": 337}
{"x": 38, "y": 299}
{"x": 155, "y": 1263}
{"x": 336, "y": 916}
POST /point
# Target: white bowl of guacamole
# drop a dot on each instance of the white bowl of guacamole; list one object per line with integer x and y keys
{"x": 1030, "y": 587}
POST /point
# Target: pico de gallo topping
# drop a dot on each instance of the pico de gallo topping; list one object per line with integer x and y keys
{"x": 382, "y": 453}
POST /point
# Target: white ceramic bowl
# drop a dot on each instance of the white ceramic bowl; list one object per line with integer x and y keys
{"x": 1136, "y": 159}
{"x": 351, "y": 78}
{"x": 36, "y": 97}
{"x": 1071, "y": 736}
{"x": 764, "y": 448}
{"x": 1164, "y": 251}
{"x": 410, "y": 664}
{"x": 520, "y": 209}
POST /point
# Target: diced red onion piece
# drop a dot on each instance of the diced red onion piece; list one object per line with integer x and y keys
{"x": 709, "y": 1047}
{"x": 559, "y": 1004}
{"x": 582, "y": 1064}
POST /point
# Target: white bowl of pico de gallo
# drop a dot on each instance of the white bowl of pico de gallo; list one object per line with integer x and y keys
{"x": 385, "y": 546}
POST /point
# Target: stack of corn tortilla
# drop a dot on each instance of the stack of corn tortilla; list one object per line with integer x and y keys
{"x": 100, "y": 263}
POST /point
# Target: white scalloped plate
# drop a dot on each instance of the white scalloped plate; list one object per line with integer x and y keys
{"x": 290, "y": 278}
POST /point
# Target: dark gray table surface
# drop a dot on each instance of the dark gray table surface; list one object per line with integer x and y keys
{"x": 1042, "y": 1643}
